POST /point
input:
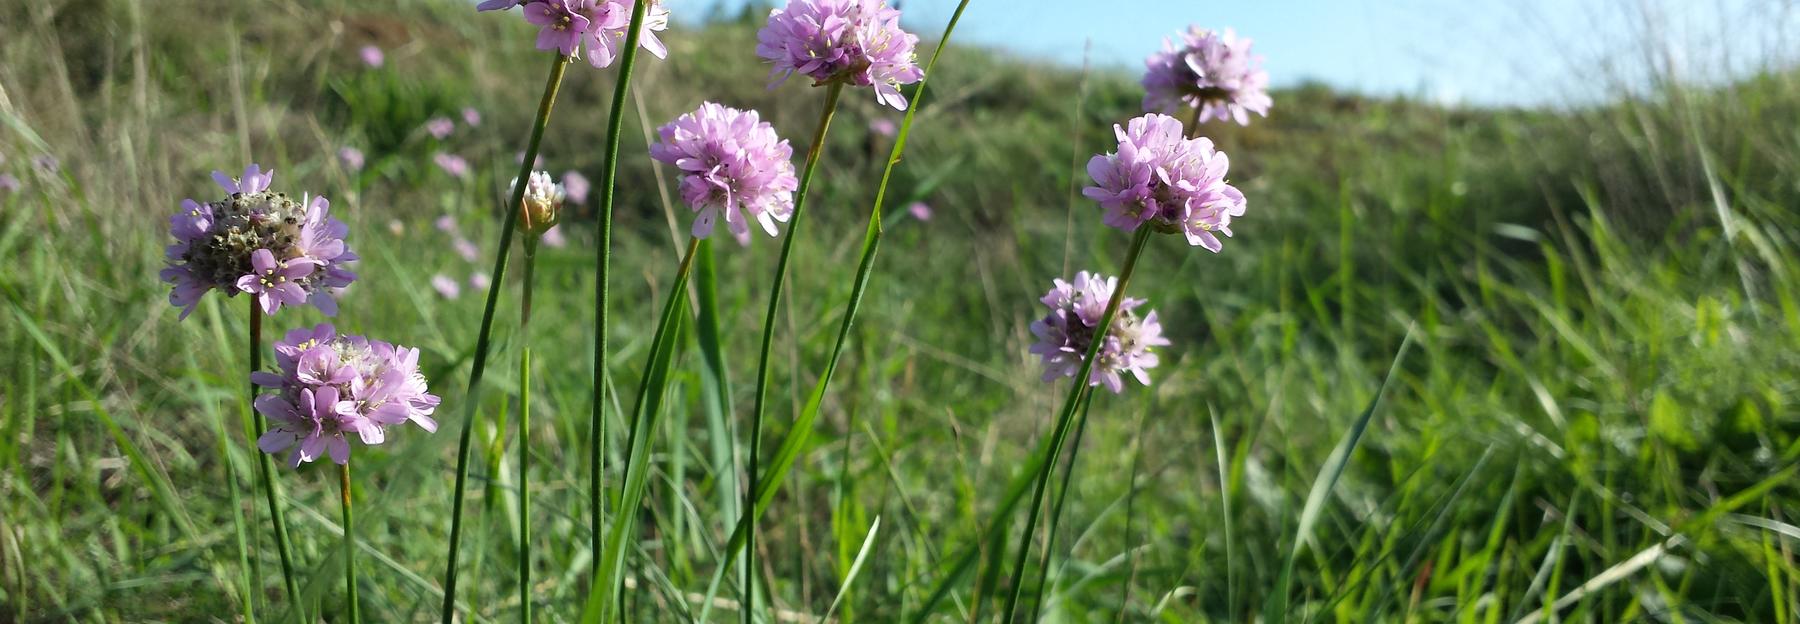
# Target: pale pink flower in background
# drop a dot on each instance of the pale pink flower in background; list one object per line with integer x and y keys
{"x": 471, "y": 116}
{"x": 396, "y": 228}
{"x": 479, "y": 280}
{"x": 372, "y": 56}
{"x": 919, "y": 211}
{"x": 554, "y": 237}
{"x": 445, "y": 287}
{"x": 445, "y": 224}
{"x": 351, "y": 157}
{"x": 883, "y": 126}
{"x": 466, "y": 249}
{"x": 440, "y": 127}
{"x": 576, "y": 185}
{"x": 452, "y": 164}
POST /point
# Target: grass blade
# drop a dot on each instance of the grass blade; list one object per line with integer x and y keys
{"x": 1277, "y": 607}
{"x": 855, "y": 568}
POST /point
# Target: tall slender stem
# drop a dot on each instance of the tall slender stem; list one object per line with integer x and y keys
{"x": 524, "y": 435}
{"x": 1067, "y": 414}
{"x": 266, "y": 465}
{"x": 351, "y": 610}
{"x": 472, "y": 396}
{"x": 1056, "y": 505}
{"x": 609, "y": 178}
{"x": 768, "y": 337}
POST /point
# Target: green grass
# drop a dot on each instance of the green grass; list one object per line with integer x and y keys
{"x": 1596, "y": 419}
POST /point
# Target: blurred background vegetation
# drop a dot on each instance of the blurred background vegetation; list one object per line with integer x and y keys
{"x": 1597, "y": 421}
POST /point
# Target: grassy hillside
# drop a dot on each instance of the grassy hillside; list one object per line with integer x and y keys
{"x": 1598, "y": 411}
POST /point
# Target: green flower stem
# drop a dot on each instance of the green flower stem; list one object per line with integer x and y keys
{"x": 524, "y": 434}
{"x": 472, "y": 396}
{"x": 266, "y": 465}
{"x": 768, "y": 338}
{"x": 609, "y": 179}
{"x": 351, "y": 611}
{"x": 1056, "y": 506}
{"x": 1065, "y": 418}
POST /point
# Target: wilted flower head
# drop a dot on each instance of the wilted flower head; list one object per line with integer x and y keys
{"x": 857, "y": 42}
{"x": 732, "y": 163}
{"x": 1166, "y": 180}
{"x": 1065, "y": 334}
{"x": 542, "y": 204}
{"x": 1212, "y": 71}
{"x": 567, "y": 25}
{"x": 372, "y": 56}
{"x": 282, "y": 251}
{"x": 330, "y": 386}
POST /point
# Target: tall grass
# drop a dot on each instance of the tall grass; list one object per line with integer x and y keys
{"x": 1594, "y": 421}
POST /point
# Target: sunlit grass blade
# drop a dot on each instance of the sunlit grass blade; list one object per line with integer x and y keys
{"x": 1277, "y": 606}
{"x": 472, "y": 396}
{"x": 862, "y": 554}
{"x": 601, "y": 599}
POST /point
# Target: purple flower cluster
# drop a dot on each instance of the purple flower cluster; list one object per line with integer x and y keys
{"x": 732, "y": 163}
{"x": 282, "y": 251}
{"x": 330, "y": 386}
{"x": 857, "y": 42}
{"x": 1161, "y": 178}
{"x": 567, "y": 25}
{"x": 1065, "y": 334}
{"x": 1212, "y": 71}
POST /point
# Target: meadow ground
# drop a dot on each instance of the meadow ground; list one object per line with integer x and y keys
{"x": 1596, "y": 419}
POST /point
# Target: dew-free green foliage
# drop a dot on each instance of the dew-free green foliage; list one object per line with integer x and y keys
{"x": 1596, "y": 416}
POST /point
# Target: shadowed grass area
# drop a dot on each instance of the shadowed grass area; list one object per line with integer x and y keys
{"x": 1596, "y": 419}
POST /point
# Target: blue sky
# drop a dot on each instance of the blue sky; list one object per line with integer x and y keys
{"x": 1474, "y": 51}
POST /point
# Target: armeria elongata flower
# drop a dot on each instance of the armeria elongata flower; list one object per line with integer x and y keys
{"x": 1065, "y": 334}
{"x": 1159, "y": 177}
{"x": 332, "y": 386}
{"x": 542, "y": 205}
{"x": 567, "y": 25}
{"x": 733, "y": 165}
{"x": 1211, "y": 70}
{"x": 282, "y": 251}
{"x": 856, "y": 42}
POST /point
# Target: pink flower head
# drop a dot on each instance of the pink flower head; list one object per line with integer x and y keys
{"x": 1162, "y": 178}
{"x": 445, "y": 286}
{"x": 372, "y": 56}
{"x": 1213, "y": 71}
{"x": 329, "y": 387}
{"x": 466, "y": 248}
{"x": 883, "y": 126}
{"x": 919, "y": 210}
{"x": 576, "y": 185}
{"x": 9, "y": 183}
{"x": 471, "y": 116}
{"x": 451, "y": 164}
{"x": 480, "y": 280}
{"x": 439, "y": 127}
{"x": 554, "y": 237}
{"x": 1065, "y": 334}
{"x": 278, "y": 249}
{"x": 732, "y": 165}
{"x": 857, "y": 42}
{"x": 608, "y": 21}
{"x": 561, "y": 24}
{"x": 351, "y": 157}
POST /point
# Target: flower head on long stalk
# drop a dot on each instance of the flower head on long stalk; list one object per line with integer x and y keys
{"x": 599, "y": 25}
{"x": 278, "y": 249}
{"x": 330, "y": 386}
{"x": 1211, "y": 70}
{"x": 857, "y": 42}
{"x": 1161, "y": 178}
{"x": 1066, "y": 332}
{"x": 733, "y": 165}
